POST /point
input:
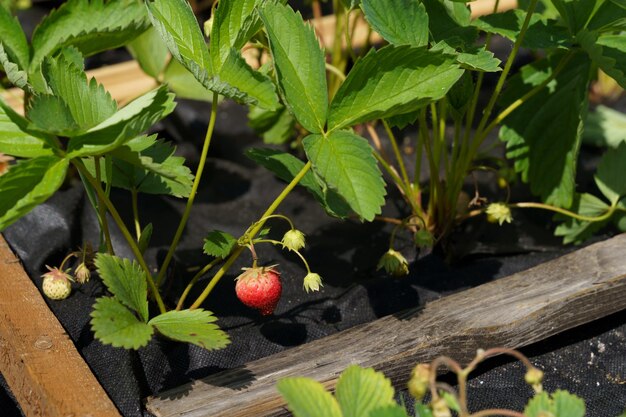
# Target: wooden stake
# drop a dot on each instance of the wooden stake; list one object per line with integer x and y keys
{"x": 42, "y": 367}
{"x": 513, "y": 312}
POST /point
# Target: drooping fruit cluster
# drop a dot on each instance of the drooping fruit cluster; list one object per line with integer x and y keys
{"x": 259, "y": 288}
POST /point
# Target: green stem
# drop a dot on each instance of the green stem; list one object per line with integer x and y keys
{"x": 404, "y": 189}
{"x": 194, "y": 190}
{"x": 133, "y": 193}
{"x": 396, "y": 151}
{"x": 102, "y": 210}
{"x": 568, "y": 213}
{"x": 336, "y": 71}
{"x": 235, "y": 254}
{"x": 195, "y": 279}
{"x": 507, "y": 68}
{"x": 127, "y": 235}
{"x": 497, "y": 412}
{"x": 277, "y": 243}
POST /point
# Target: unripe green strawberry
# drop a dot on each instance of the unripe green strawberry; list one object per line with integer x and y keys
{"x": 259, "y": 288}
{"x": 56, "y": 284}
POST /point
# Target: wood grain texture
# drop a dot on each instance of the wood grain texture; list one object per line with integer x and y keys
{"x": 514, "y": 311}
{"x": 42, "y": 367}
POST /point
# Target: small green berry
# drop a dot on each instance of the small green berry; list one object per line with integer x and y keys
{"x": 394, "y": 263}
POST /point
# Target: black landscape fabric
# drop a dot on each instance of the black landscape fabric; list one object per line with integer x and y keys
{"x": 588, "y": 361}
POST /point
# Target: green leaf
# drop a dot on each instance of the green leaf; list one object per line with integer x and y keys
{"x": 300, "y": 65}
{"x": 392, "y": 81}
{"x": 568, "y": 405}
{"x": 476, "y": 59}
{"x": 15, "y": 141}
{"x": 543, "y": 135}
{"x": 422, "y": 410}
{"x": 359, "y": 391}
{"x": 460, "y": 95}
{"x": 609, "y": 17}
{"x": 192, "y": 326}
{"x": 400, "y": 22}
{"x": 50, "y": 114}
{"x": 126, "y": 281}
{"x": 90, "y": 25}
{"x": 539, "y": 403}
{"x": 575, "y": 13}
{"x": 256, "y": 87}
{"x": 345, "y": 162}
{"x": 219, "y": 244}
{"x": 395, "y": 410}
{"x": 541, "y": 33}
{"x": 150, "y": 52}
{"x": 184, "y": 84}
{"x": 576, "y": 231}
{"x": 308, "y": 398}
{"x": 609, "y": 52}
{"x": 16, "y": 76}
{"x": 287, "y": 166}
{"x": 126, "y": 124}
{"x": 13, "y": 40}
{"x": 114, "y": 324}
{"x": 29, "y": 184}
{"x": 610, "y": 177}
{"x": 144, "y": 238}
{"x": 88, "y": 102}
{"x": 449, "y": 21}
{"x": 149, "y": 166}
{"x": 605, "y": 127}
{"x": 234, "y": 23}
{"x": 274, "y": 126}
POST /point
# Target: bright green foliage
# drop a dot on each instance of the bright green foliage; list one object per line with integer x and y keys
{"x": 610, "y": 16}
{"x": 605, "y": 127}
{"x": 126, "y": 124}
{"x": 126, "y": 281}
{"x": 392, "y": 81}
{"x": 544, "y": 134}
{"x": 609, "y": 52}
{"x": 219, "y": 244}
{"x": 29, "y": 184}
{"x": 559, "y": 404}
{"x": 114, "y": 324}
{"x": 16, "y": 76}
{"x": 14, "y": 52}
{"x": 234, "y": 23}
{"x": 184, "y": 84}
{"x": 575, "y": 13}
{"x": 15, "y": 141}
{"x": 475, "y": 58}
{"x": 191, "y": 326}
{"x": 148, "y": 165}
{"x": 542, "y": 33}
{"x": 449, "y": 21}
{"x": 87, "y": 101}
{"x": 150, "y": 52}
{"x": 275, "y": 127}
{"x": 400, "y": 22}
{"x": 50, "y": 114}
{"x": 576, "y": 231}
{"x": 421, "y": 410}
{"x": 144, "y": 238}
{"x": 286, "y": 166}
{"x": 337, "y": 158}
{"x": 89, "y": 25}
{"x": 299, "y": 63}
{"x": 308, "y": 398}
{"x": 610, "y": 174}
{"x": 359, "y": 391}
{"x": 395, "y": 410}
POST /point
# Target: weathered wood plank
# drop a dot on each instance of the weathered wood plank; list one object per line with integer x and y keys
{"x": 514, "y": 311}
{"x": 42, "y": 367}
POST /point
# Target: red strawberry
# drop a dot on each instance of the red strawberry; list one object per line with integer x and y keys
{"x": 259, "y": 288}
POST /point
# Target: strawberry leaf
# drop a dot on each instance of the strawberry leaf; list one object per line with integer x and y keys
{"x": 126, "y": 281}
{"x": 219, "y": 244}
{"x": 308, "y": 398}
{"x": 15, "y": 141}
{"x": 400, "y": 22}
{"x": 192, "y": 326}
{"x": 359, "y": 391}
{"x": 114, "y": 324}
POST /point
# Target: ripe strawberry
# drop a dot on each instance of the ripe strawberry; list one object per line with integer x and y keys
{"x": 56, "y": 284}
{"x": 259, "y": 288}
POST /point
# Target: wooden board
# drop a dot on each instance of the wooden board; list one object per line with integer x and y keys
{"x": 515, "y": 311}
{"x": 42, "y": 367}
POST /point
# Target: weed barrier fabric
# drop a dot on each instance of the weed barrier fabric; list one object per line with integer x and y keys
{"x": 589, "y": 362}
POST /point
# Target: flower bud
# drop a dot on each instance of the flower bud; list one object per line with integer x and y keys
{"x": 440, "y": 408}
{"x": 424, "y": 239}
{"x": 418, "y": 384}
{"x": 394, "y": 263}
{"x": 293, "y": 240}
{"x": 82, "y": 273}
{"x": 499, "y": 212}
{"x": 312, "y": 282}
{"x": 534, "y": 377}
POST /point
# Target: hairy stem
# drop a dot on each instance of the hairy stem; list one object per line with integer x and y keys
{"x": 568, "y": 213}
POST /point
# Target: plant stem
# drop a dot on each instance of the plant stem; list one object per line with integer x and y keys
{"x": 259, "y": 225}
{"x": 396, "y": 151}
{"x": 102, "y": 210}
{"x": 497, "y": 412}
{"x": 507, "y": 68}
{"x": 568, "y": 213}
{"x": 195, "y": 279}
{"x": 127, "y": 235}
{"x": 277, "y": 243}
{"x": 194, "y": 190}
{"x": 133, "y": 193}
{"x": 336, "y": 71}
